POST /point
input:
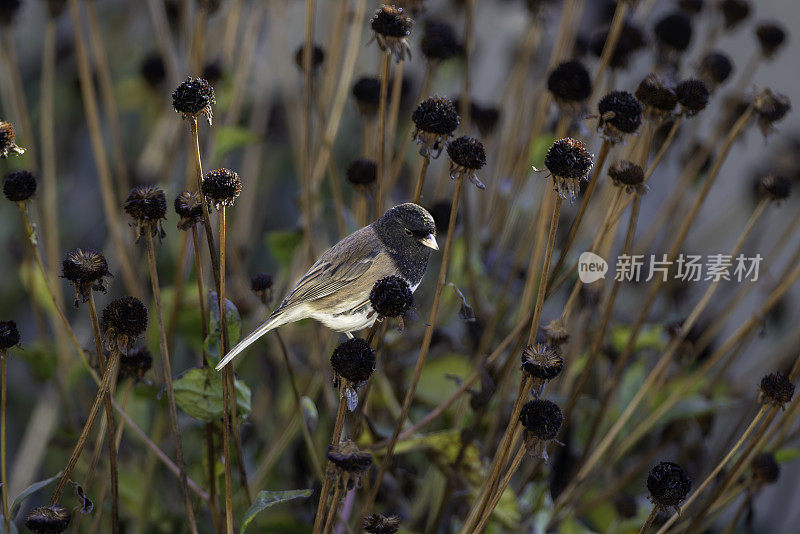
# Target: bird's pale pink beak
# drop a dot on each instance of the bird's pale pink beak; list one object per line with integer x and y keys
{"x": 430, "y": 242}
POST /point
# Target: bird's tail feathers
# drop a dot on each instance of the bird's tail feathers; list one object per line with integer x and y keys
{"x": 275, "y": 320}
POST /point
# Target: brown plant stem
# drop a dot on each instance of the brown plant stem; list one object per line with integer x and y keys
{"x": 610, "y": 46}
{"x": 423, "y": 169}
{"x": 423, "y": 353}
{"x": 305, "y": 132}
{"x": 206, "y": 219}
{"x": 649, "y": 521}
{"x": 3, "y": 461}
{"x": 381, "y": 162}
{"x": 495, "y": 499}
{"x": 167, "y": 373}
{"x": 330, "y": 473}
{"x": 112, "y": 449}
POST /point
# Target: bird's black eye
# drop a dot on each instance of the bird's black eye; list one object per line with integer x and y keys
{"x": 409, "y": 232}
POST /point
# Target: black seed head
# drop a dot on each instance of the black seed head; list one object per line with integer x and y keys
{"x": 668, "y": 485}
{"x": 354, "y": 361}
{"x": 620, "y": 113}
{"x": 189, "y": 207}
{"x": 349, "y": 458}
{"x": 391, "y": 21}
{"x": 127, "y": 316}
{"x": 715, "y": 68}
{"x": 674, "y": 31}
{"x": 9, "y": 335}
{"x": 776, "y": 389}
{"x": 656, "y": 96}
{"x": 87, "y": 269}
{"x": 362, "y": 172}
{"x": 626, "y": 173}
{"x": 317, "y": 56}
{"x": 485, "y": 118}
{"x": 692, "y": 7}
{"x": 54, "y": 7}
{"x": 152, "y": 70}
{"x": 765, "y": 469}
{"x": 631, "y": 40}
{"x": 194, "y": 97}
{"x": 19, "y": 186}
{"x": 570, "y": 82}
{"x": 367, "y": 92}
{"x": 436, "y": 115}
{"x": 146, "y": 203}
{"x": 692, "y": 95}
{"x": 439, "y": 41}
{"x": 52, "y": 519}
{"x": 568, "y": 158}
{"x": 734, "y": 12}
{"x": 380, "y": 524}
{"x": 7, "y": 138}
{"x": 774, "y": 187}
{"x": 541, "y": 418}
{"x": 391, "y": 297}
{"x": 541, "y": 361}
{"x": 135, "y": 364}
{"x": 467, "y": 153}
{"x": 261, "y": 282}
{"x": 221, "y": 187}
{"x": 770, "y": 108}
{"x": 771, "y": 37}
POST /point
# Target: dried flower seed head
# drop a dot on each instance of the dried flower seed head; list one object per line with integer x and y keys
{"x": 9, "y": 335}
{"x": 485, "y": 118}
{"x": 261, "y": 285}
{"x": 391, "y": 297}
{"x": 628, "y": 175}
{"x": 556, "y": 333}
{"x": 620, "y": 114}
{"x": 194, "y": 97}
{"x": 52, "y": 519}
{"x": 734, "y": 12}
{"x": 764, "y": 468}
{"x": 349, "y": 462}
{"x": 770, "y": 108}
{"x": 353, "y": 361}
{"x": 439, "y": 42}
{"x": 87, "y": 269}
{"x": 8, "y": 10}
{"x": 54, "y": 7}
{"x": 467, "y": 156}
{"x": 210, "y": 6}
{"x": 714, "y": 69}
{"x": 568, "y": 162}
{"x": 317, "y": 57}
{"x": 657, "y": 97}
{"x": 542, "y": 420}
{"x": 221, "y": 187}
{"x": 771, "y": 36}
{"x": 135, "y": 364}
{"x": 362, "y": 173}
{"x": 626, "y": 505}
{"x": 380, "y": 524}
{"x": 7, "y": 138}
{"x": 123, "y": 320}
{"x": 631, "y": 40}
{"x": 152, "y": 70}
{"x": 19, "y": 186}
{"x": 692, "y": 7}
{"x": 147, "y": 205}
{"x": 692, "y": 95}
{"x": 776, "y": 389}
{"x": 367, "y": 92}
{"x": 435, "y": 119}
{"x": 189, "y": 207}
{"x": 570, "y": 85}
{"x": 774, "y": 187}
{"x": 674, "y": 31}
{"x": 391, "y": 29}
{"x": 541, "y": 361}
{"x": 668, "y": 485}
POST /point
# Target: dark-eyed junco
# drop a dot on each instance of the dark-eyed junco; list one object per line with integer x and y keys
{"x": 335, "y": 290}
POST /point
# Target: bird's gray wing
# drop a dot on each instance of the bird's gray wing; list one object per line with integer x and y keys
{"x": 340, "y": 266}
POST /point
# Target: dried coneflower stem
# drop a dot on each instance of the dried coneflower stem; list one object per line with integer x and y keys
{"x": 305, "y": 131}
{"x": 384, "y": 77}
{"x": 650, "y": 518}
{"x": 394, "y": 110}
{"x": 167, "y": 372}
{"x": 112, "y": 449}
{"x": 3, "y": 462}
{"x": 329, "y": 473}
{"x": 423, "y": 169}
{"x": 423, "y": 353}
{"x": 495, "y": 499}
{"x": 206, "y": 218}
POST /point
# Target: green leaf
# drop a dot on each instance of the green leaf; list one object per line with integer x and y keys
{"x": 265, "y": 499}
{"x": 282, "y": 244}
{"x": 786, "y": 455}
{"x": 437, "y": 381}
{"x": 33, "y": 488}
{"x": 230, "y": 138}
{"x": 198, "y": 392}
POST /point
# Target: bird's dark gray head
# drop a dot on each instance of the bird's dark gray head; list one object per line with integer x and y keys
{"x": 409, "y": 232}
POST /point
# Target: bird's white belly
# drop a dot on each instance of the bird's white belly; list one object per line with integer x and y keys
{"x": 348, "y": 322}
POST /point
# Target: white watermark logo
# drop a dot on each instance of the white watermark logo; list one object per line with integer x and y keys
{"x": 591, "y": 267}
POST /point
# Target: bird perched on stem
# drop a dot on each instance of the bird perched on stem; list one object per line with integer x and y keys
{"x": 335, "y": 290}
